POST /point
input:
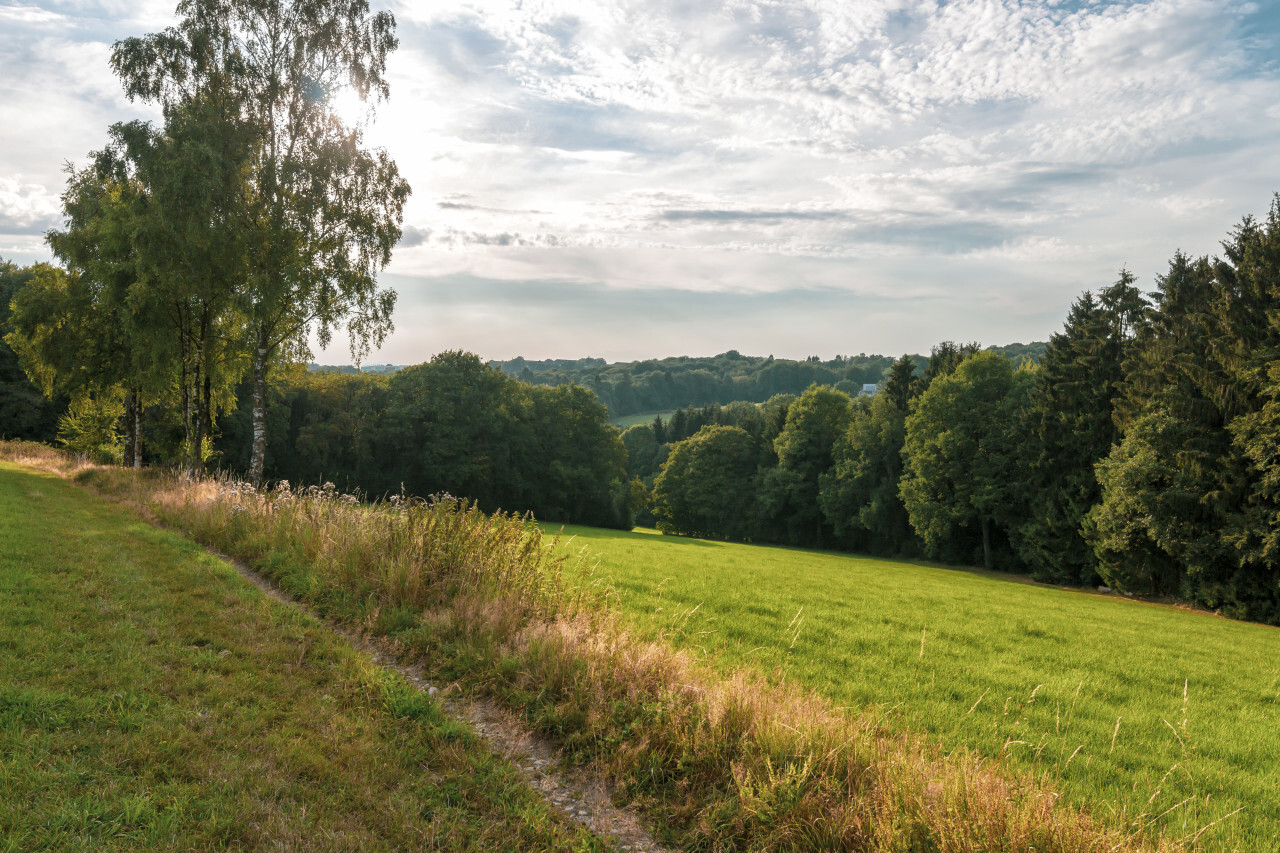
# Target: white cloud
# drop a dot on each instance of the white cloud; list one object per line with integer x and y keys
{"x": 30, "y": 16}
{"x": 880, "y": 147}
{"x": 26, "y": 207}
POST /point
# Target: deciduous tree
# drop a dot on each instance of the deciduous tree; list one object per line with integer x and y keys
{"x": 318, "y": 213}
{"x": 814, "y": 422}
{"x": 707, "y": 486}
{"x": 860, "y": 493}
{"x": 961, "y": 455}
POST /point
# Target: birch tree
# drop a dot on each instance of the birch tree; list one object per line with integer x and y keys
{"x": 319, "y": 213}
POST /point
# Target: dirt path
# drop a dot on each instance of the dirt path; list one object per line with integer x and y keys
{"x": 581, "y": 796}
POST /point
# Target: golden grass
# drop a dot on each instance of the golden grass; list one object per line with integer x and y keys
{"x": 720, "y": 763}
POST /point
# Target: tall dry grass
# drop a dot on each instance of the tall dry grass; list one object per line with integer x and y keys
{"x": 718, "y": 763}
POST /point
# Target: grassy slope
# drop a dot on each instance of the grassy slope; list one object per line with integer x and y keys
{"x": 988, "y": 644}
{"x": 151, "y": 699}
{"x": 641, "y": 418}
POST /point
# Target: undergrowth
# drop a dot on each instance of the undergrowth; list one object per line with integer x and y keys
{"x": 718, "y": 763}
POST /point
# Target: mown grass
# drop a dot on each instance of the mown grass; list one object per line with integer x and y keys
{"x": 641, "y": 418}
{"x": 719, "y": 761}
{"x": 151, "y": 699}
{"x": 1131, "y": 709}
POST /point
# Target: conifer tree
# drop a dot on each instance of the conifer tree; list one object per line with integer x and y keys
{"x": 1070, "y": 427}
{"x": 1179, "y": 504}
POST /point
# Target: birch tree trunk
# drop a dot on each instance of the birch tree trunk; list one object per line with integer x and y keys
{"x": 137, "y": 429}
{"x": 259, "y": 454}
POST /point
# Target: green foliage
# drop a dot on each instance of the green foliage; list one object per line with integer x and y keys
{"x": 1188, "y": 507}
{"x": 144, "y": 302}
{"x": 708, "y": 485}
{"x": 1149, "y": 504}
{"x": 901, "y": 384}
{"x": 668, "y": 384}
{"x": 804, "y": 447}
{"x": 455, "y": 428}
{"x": 574, "y": 462}
{"x": 66, "y": 331}
{"x": 684, "y": 382}
{"x": 746, "y": 416}
{"x": 90, "y": 427}
{"x": 1021, "y": 354}
{"x": 860, "y": 493}
{"x": 946, "y": 357}
{"x": 1070, "y": 429}
{"x": 1257, "y": 435}
{"x": 316, "y": 214}
{"x": 961, "y": 472}
{"x": 190, "y": 266}
{"x": 644, "y": 456}
{"x": 452, "y": 425}
{"x": 25, "y": 413}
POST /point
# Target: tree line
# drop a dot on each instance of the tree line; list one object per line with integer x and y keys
{"x": 199, "y": 256}
{"x": 1141, "y": 451}
{"x": 209, "y": 248}
{"x": 452, "y": 425}
{"x": 662, "y": 385}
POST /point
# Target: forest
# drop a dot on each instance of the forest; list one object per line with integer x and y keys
{"x": 1142, "y": 451}
{"x": 199, "y": 257}
{"x": 629, "y": 388}
{"x": 1138, "y": 451}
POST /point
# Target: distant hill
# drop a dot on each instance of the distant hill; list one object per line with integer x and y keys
{"x": 1032, "y": 352}
{"x": 379, "y": 369}
{"x": 632, "y": 387}
{"x": 663, "y": 385}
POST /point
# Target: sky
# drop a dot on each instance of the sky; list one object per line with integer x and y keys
{"x": 647, "y": 178}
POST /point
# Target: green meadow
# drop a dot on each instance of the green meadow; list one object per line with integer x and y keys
{"x": 641, "y": 418}
{"x": 1143, "y": 713}
{"x": 152, "y": 699}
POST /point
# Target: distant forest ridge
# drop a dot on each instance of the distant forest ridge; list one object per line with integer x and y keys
{"x": 377, "y": 369}
{"x": 658, "y": 385}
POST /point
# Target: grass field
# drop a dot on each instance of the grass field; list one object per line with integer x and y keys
{"x": 641, "y": 418}
{"x": 1128, "y": 708}
{"x": 151, "y": 699}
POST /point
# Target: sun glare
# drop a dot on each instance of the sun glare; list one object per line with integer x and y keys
{"x": 346, "y": 104}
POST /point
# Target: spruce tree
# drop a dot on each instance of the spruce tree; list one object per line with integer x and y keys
{"x": 1070, "y": 428}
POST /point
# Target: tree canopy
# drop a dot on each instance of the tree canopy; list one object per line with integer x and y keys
{"x": 316, "y": 215}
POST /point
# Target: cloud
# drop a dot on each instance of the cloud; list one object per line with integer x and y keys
{"x": 411, "y": 237}
{"x": 457, "y": 311}
{"x": 27, "y": 208}
{"x": 946, "y": 128}
{"x": 32, "y": 16}
{"x": 979, "y": 157}
{"x": 936, "y": 235}
{"x": 749, "y": 215}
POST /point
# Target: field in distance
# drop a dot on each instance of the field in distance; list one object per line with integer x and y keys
{"x": 1132, "y": 709}
{"x": 642, "y": 418}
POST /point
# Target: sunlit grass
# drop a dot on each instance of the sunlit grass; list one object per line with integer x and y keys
{"x": 641, "y": 418}
{"x": 1131, "y": 708}
{"x": 719, "y": 761}
{"x": 151, "y": 699}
